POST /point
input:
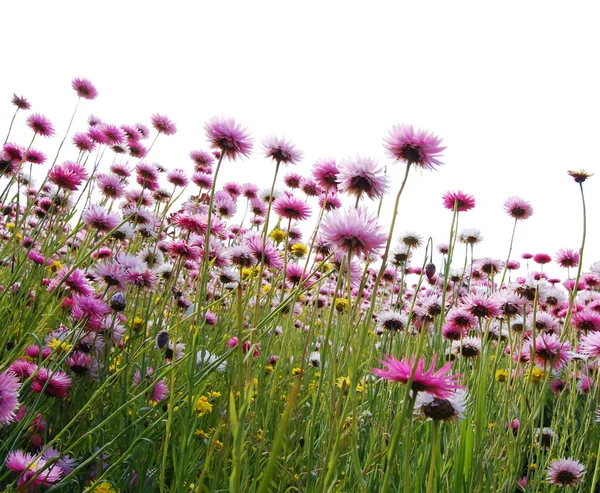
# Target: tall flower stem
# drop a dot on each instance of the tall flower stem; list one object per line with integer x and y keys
{"x": 11, "y": 124}
{"x": 434, "y": 450}
{"x": 512, "y": 238}
{"x": 67, "y": 132}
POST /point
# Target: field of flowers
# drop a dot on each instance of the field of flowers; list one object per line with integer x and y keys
{"x": 163, "y": 331}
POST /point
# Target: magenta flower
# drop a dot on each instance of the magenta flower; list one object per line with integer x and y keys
{"x": 325, "y": 172}
{"x": 353, "y": 229}
{"x": 542, "y": 258}
{"x": 203, "y": 161}
{"x": 361, "y": 175}
{"x": 482, "y": 306}
{"x": 411, "y": 146}
{"x": 83, "y": 142}
{"x": 52, "y": 383}
{"x": 290, "y": 207}
{"x": 84, "y": 88}
{"x": 177, "y": 177}
{"x": 20, "y": 102}
{"x": 28, "y": 466}
{"x": 113, "y": 135}
{"x": 565, "y": 472}
{"x": 9, "y": 396}
{"x": 100, "y": 219}
{"x": 163, "y": 125}
{"x": 587, "y": 320}
{"x": 34, "y": 156}
{"x": 40, "y": 125}
{"x": 159, "y": 387}
{"x": 228, "y": 137}
{"x": 68, "y": 175}
{"x": 518, "y": 208}
{"x": 462, "y": 201}
{"x": 566, "y": 257}
{"x": 549, "y": 352}
{"x": 437, "y": 383}
{"x": 281, "y": 150}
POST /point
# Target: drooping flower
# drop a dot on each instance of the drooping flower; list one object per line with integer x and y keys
{"x": 437, "y": 383}
{"x": 518, "y": 208}
{"x": 281, "y": 150}
{"x": 565, "y": 472}
{"x": 84, "y": 88}
{"x": 228, "y": 137}
{"x": 418, "y": 147}
{"x": 353, "y": 229}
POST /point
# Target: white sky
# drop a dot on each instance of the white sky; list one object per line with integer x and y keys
{"x": 512, "y": 87}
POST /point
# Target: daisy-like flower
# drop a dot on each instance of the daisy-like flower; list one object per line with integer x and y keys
{"x": 228, "y": 137}
{"x": 549, "y": 352}
{"x": 163, "y": 125}
{"x": 411, "y": 239}
{"x": 325, "y": 172}
{"x": 52, "y": 383}
{"x": 587, "y": 320}
{"x": 68, "y": 175}
{"x": 542, "y": 258}
{"x": 9, "y": 396}
{"x": 361, "y": 175}
{"x": 34, "y": 156}
{"x": 565, "y": 472}
{"x": 567, "y": 257}
{"x": 590, "y": 345}
{"x": 481, "y": 306}
{"x": 281, "y": 150}
{"x": 461, "y": 200}
{"x": 290, "y": 207}
{"x": 84, "y": 88}
{"x": 437, "y": 383}
{"x": 353, "y": 229}
{"x": 29, "y": 467}
{"x": 20, "y": 102}
{"x": 100, "y": 219}
{"x": 418, "y": 147}
{"x": 518, "y": 208}
{"x": 469, "y": 347}
{"x": 579, "y": 176}
{"x": 392, "y": 320}
{"x": 450, "y": 409}
{"x": 159, "y": 388}
{"x": 470, "y": 236}
{"x": 40, "y": 125}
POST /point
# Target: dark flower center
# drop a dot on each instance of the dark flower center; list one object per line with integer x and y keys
{"x": 411, "y": 154}
{"x": 565, "y": 477}
{"x": 439, "y": 409}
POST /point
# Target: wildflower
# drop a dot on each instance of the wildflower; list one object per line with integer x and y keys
{"x": 20, "y": 102}
{"x": 545, "y": 437}
{"x": 68, "y": 175}
{"x": 202, "y": 406}
{"x": 40, "y": 125}
{"x": 84, "y": 88}
{"x": 579, "y": 176}
{"x": 469, "y": 347}
{"x": 341, "y": 304}
{"x": 436, "y": 383}
{"x": 29, "y": 467}
{"x": 228, "y": 137}
{"x": 103, "y": 487}
{"x": 290, "y": 207}
{"x": 296, "y": 371}
{"x": 411, "y": 239}
{"x": 450, "y": 409}
{"x": 565, "y": 472}
{"x": 549, "y": 352}
{"x": 281, "y": 150}
{"x": 537, "y": 375}
{"x": 361, "y": 175}
{"x": 354, "y": 230}
{"x": 299, "y": 250}
{"x": 501, "y": 375}
{"x": 52, "y": 383}
{"x": 9, "y": 395}
{"x": 157, "y": 390}
{"x": 163, "y": 125}
{"x": 393, "y": 320}
{"x": 411, "y": 146}
{"x": 325, "y": 173}
{"x": 566, "y": 257}
{"x": 460, "y": 200}
{"x": 518, "y": 208}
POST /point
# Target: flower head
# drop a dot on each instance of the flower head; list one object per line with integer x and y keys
{"x": 20, "y": 102}
{"x": 84, "y": 88}
{"x": 565, "y": 472}
{"x": 461, "y": 200}
{"x": 361, "y": 175}
{"x": 450, "y": 409}
{"x": 579, "y": 176}
{"x": 9, "y": 394}
{"x": 290, "y": 207}
{"x": 69, "y": 175}
{"x": 437, "y": 383}
{"x": 518, "y": 208}
{"x": 163, "y": 125}
{"x": 228, "y": 137}
{"x": 40, "y": 125}
{"x": 281, "y": 150}
{"x": 411, "y": 146}
{"x": 29, "y": 467}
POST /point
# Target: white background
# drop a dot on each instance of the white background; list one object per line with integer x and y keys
{"x": 511, "y": 87}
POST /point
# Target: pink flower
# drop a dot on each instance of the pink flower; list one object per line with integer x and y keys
{"x": 549, "y": 352}
{"x": 68, "y": 175}
{"x": 361, "y": 175}
{"x": 565, "y": 472}
{"x": 437, "y": 383}
{"x": 227, "y": 136}
{"x": 462, "y": 201}
{"x": 28, "y": 466}
{"x": 567, "y": 257}
{"x": 9, "y": 395}
{"x": 353, "y": 229}
{"x": 163, "y": 125}
{"x": 542, "y": 258}
{"x": 325, "y": 172}
{"x": 281, "y": 150}
{"x": 51, "y": 383}
{"x": 40, "y": 125}
{"x": 20, "y": 102}
{"x": 290, "y": 207}
{"x": 84, "y": 88}
{"x": 518, "y": 208}
{"x": 411, "y": 146}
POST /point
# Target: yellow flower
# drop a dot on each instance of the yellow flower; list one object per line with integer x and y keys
{"x": 269, "y": 368}
{"x": 214, "y": 395}
{"x": 10, "y": 225}
{"x": 203, "y": 406}
{"x": 341, "y": 304}
{"x": 19, "y": 236}
{"x": 137, "y": 323}
{"x": 218, "y": 443}
{"x": 59, "y": 346}
{"x": 296, "y": 371}
{"x": 201, "y": 434}
{"x": 266, "y": 288}
{"x": 533, "y": 466}
{"x": 501, "y": 375}
{"x": 277, "y": 235}
{"x": 103, "y": 487}
{"x": 343, "y": 382}
{"x": 299, "y": 250}
{"x": 114, "y": 366}
{"x": 55, "y": 266}
{"x": 537, "y": 375}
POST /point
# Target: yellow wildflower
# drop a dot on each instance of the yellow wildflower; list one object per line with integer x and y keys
{"x": 341, "y": 304}
{"x": 59, "y": 346}
{"x": 103, "y": 487}
{"x": 201, "y": 434}
{"x": 277, "y": 235}
{"x": 296, "y": 371}
{"x": 501, "y": 375}
{"x": 203, "y": 406}
{"x": 299, "y": 250}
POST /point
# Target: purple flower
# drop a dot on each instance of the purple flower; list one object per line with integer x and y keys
{"x": 84, "y": 88}
{"x": 353, "y": 229}
{"x": 163, "y": 125}
{"x": 325, "y": 172}
{"x": 9, "y": 394}
{"x": 281, "y": 150}
{"x": 228, "y": 137}
{"x": 20, "y": 102}
{"x": 68, "y": 175}
{"x": 361, "y": 175}
{"x": 565, "y": 472}
{"x": 28, "y": 466}
{"x": 290, "y": 207}
{"x": 40, "y": 125}
{"x": 99, "y": 218}
{"x": 461, "y": 200}
{"x": 411, "y": 146}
